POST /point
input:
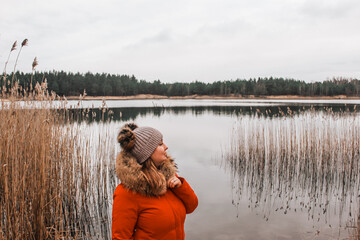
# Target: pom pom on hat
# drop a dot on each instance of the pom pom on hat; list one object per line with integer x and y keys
{"x": 126, "y": 136}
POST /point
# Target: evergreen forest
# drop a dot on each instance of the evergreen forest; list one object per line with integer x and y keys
{"x": 73, "y": 84}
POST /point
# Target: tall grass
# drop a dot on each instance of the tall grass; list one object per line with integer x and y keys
{"x": 308, "y": 161}
{"x": 50, "y": 185}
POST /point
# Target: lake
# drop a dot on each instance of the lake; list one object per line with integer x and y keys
{"x": 262, "y": 169}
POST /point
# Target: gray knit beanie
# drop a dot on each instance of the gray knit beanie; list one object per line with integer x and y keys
{"x": 139, "y": 141}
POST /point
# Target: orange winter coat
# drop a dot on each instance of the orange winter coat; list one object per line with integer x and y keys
{"x": 140, "y": 212}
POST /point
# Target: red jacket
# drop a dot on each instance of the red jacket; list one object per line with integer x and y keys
{"x": 138, "y": 214}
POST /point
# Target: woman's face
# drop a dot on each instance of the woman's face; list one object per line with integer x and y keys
{"x": 159, "y": 155}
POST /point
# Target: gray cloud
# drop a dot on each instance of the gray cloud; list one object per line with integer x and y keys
{"x": 330, "y": 9}
{"x": 187, "y": 40}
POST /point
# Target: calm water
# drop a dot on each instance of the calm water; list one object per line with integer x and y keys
{"x": 199, "y": 135}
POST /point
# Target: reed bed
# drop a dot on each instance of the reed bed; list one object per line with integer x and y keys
{"x": 56, "y": 179}
{"x": 306, "y": 161}
{"x": 50, "y": 185}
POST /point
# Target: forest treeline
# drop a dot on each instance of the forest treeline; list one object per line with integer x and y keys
{"x": 74, "y": 84}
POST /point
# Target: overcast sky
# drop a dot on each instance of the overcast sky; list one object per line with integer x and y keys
{"x": 186, "y": 40}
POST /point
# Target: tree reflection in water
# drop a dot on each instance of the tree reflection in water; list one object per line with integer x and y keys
{"x": 308, "y": 161}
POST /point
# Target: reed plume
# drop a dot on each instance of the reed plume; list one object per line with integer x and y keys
{"x": 7, "y": 61}
{"x": 34, "y": 64}
{"x": 23, "y": 44}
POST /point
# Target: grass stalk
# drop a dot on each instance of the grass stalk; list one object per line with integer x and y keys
{"x": 24, "y": 43}
{"x": 49, "y": 182}
{"x": 307, "y": 161}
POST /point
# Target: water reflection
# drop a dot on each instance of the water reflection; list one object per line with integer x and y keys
{"x": 270, "y": 168}
{"x": 307, "y": 162}
{"x": 130, "y": 114}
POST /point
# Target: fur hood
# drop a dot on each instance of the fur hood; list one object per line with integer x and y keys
{"x": 128, "y": 170}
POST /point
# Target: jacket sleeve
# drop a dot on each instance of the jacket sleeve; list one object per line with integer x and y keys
{"x": 186, "y": 195}
{"x": 124, "y": 214}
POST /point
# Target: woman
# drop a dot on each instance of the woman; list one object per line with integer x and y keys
{"x": 152, "y": 200}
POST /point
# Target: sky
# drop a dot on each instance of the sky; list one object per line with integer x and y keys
{"x": 187, "y": 40}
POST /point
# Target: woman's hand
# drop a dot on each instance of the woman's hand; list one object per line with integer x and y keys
{"x": 174, "y": 182}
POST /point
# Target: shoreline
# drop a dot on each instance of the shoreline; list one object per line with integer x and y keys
{"x": 211, "y": 97}
{"x": 199, "y": 97}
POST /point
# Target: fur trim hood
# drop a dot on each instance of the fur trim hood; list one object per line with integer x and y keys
{"x": 128, "y": 170}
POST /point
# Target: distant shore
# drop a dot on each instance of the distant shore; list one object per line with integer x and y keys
{"x": 151, "y": 96}
{"x": 208, "y": 97}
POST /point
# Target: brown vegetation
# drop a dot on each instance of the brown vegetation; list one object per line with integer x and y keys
{"x": 49, "y": 189}
{"x": 44, "y": 175}
{"x": 304, "y": 161}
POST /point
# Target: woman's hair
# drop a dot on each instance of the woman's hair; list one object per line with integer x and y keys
{"x": 155, "y": 179}
{"x": 141, "y": 142}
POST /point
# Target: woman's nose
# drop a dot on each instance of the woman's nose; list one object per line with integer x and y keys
{"x": 166, "y": 147}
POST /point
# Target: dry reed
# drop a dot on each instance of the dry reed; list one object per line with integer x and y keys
{"x": 55, "y": 181}
{"x": 13, "y": 48}
{"x": 307, "y": 161}
{"x": 23, "y": 44}
{"x": 50, "y": 185}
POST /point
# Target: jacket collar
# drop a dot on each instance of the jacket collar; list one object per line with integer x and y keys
{"x": 128, "y": 170}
